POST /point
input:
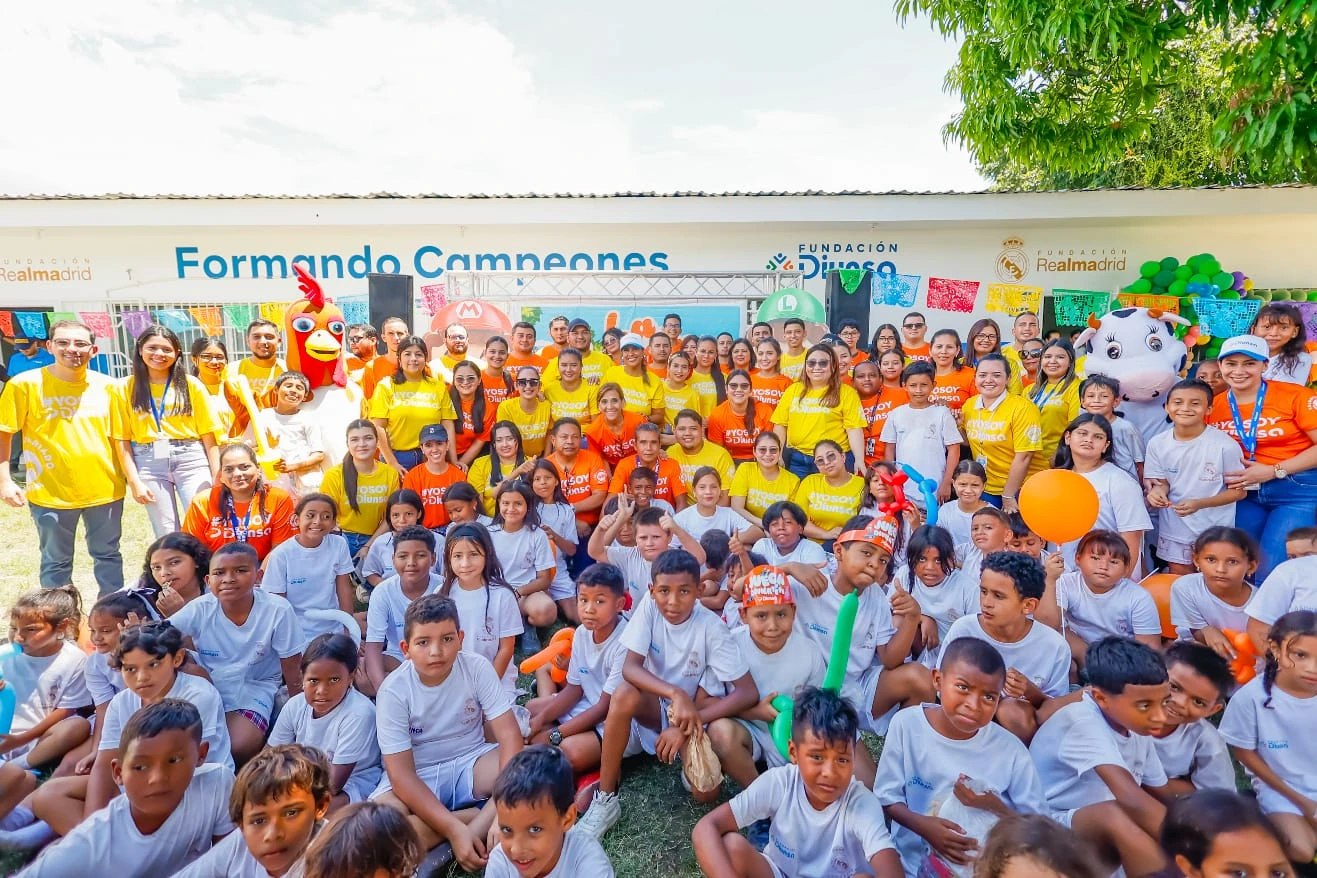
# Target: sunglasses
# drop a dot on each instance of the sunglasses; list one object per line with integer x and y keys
{"x": 1031, "y": 355}
{"x": 528, "y": 382}
{"x": 818, "y": 364}
{"x": 912, "y": 326}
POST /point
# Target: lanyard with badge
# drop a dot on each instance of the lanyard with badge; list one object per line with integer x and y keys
{"x": 1248, "y": 438}
{"x": 160, "y": 447}
{"x": 240, "y": 532}
{"x": 1043, "y": 398}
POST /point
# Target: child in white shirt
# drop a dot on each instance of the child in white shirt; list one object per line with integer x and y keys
{"x": 1207, "y": 604}
{"x": 403, "y": 508}
{"x": 932, "y": 751}
{"x": 654, "y": 529}
{"x": 413, "y": 558}
{"x": 292, "y": 434}
{"x": 525, "y": 555}
{"x": 968, "y": 480}
{"x": 486, "y": 602}
{"x": 558, "y": 521}
{"x": 1291, "y": 585}
{"x": 313, "y": 569}
{"x": 1098, "y": 395}
{"x": 990, "y": 531}
{"x": 943, "y": 592}
{"x": 821, "y": 817}
{"x": 921, "y": 434}
{"x": 1192, "y": 752}
{"x": 706, "y": 514}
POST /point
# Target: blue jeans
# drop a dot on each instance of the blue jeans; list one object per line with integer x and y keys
{"x": 56, "y": 529}
{"x": 801, "y": 464}
{"x": 1275, "y": 509}
{"x": 992, "y": 499}
{"x": 409, "y": 457}
{"x": 355, "y": 542}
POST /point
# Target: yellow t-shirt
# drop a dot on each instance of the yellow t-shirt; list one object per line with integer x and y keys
{"x": 708, "y": 392}
{"x": 792, "y": 365}
{"x": 478, "y": 476}
{"x": 581, "y": 403}
{"x": 827, "y": 506}
{"x": 709, "y": 455}
{"x": 676, "y": 400}
{"x": 534, "y": 426}
{"x": 219, "y": 404}
{"x": 1056, "y": 410}
{"x": 409, "y": 407}
{"x": 372, "y": 491}
{"x": 260, "y": 378}
{"x": 637, "y": 396}
{"x": 593, "y": 367}
{"x": 67, "y": 451}
{"x": 128, "y": 424}
{"x": 1016, "y": 383}
{"x": 809, "y": 421}
{"x": 996, "y": 436}
{"x": 759, "y": 492}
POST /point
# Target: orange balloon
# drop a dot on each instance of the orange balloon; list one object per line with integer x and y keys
{"x": 1159, "y": 586}
{"x": 1059, "y": 505}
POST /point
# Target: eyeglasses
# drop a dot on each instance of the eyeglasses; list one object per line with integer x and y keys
{"x": 738, "y": 386}
{"x": 986, "y": 336}
{"x": 456, "y": 337}
{"x": 912, "y": 325}
{"x": 212, "y": 358}
{"x": 66, "y": 343}
{"x": 827, "y": 458}
{"x": 817, "y": 364}
{"x": 528, "y": 382}
{"x": 464, "y": 379}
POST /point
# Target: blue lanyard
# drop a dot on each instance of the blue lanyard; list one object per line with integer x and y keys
{"x": 159, "y": 414}
{"x": 1249, "y": 438}
{"x": 1051, "y": 391}
{"x": 240, "y": 533}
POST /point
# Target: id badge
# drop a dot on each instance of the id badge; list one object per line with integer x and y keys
{"x": 982, "y": 460}
{"x": 160, "y": 449}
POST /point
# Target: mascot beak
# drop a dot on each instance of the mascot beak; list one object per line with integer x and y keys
{"x": 322, "y": 345}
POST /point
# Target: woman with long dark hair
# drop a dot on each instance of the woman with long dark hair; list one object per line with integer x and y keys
{"x": 820, "y": 407}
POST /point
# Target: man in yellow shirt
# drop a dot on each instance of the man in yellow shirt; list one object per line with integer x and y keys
{"x": 263, "y": 366}
{"x": 692, "y": 452}
{"x": 793, "y": 352}
{"x": 456, "y": 340}
{"x": 593, "y": 363}
{"x": 63, "y": 411}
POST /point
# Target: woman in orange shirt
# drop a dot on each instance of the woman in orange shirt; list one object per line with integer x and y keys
{"x": 612, "y": 435}
{"x": 767, "y": 384}
{"x": 495, "y": 380}
{"x": 242, "y": 508}
{"x": 890, "y": 366}
{"x": 734, "y": 424}
{"x": 475, "y": 415}
{"x": 953, "y": 381}
{"x": 583, "y": 472}
{"x": 743, "y": 355}
{"x": 876, "y": 402}
{"x": 886, "y": 338}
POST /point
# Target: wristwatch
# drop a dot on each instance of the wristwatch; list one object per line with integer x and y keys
{"x": 1281, "y": 472}
{"x": 555, "y": 737}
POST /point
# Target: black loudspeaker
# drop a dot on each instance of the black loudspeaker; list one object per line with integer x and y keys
{"x": 390, "y": 296}
{"x": 841, "y": 304}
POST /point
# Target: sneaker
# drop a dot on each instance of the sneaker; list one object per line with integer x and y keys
{"x": 530, "y": 641}
{"x": 605, "y": 810}
{"x": 757, "y": 834}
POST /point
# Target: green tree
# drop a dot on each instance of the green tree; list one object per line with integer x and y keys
{"x": 1119, "y": 93}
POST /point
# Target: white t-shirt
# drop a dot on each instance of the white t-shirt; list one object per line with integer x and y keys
{"x": 1121, "y": 506}
{"x": 817, "y": 617}
{"x": 805, "y": 552}
{"x": 296, "y": 438}
{"x": 921, "y": 437}
{"x": 971, "y": 561}
{"x": 108, "y": 842}
{"x": 1195, "y": 470}
{"x": 1042, "y": 655}
{"x": 443, "y": 723}
{"x": 680, "y": 654}
{"x": 1127, "y": 609}
{"x": 1074, "y": 742}
{"x": 804, "y": 842}
{"x": 955, "y": 521}
{"x": 231, "y": 858}
{"x": 944, "y": 603}
{"x": 103, "y": 681}
{"x": 800, "y": 662}
{"x": 595, "y": 667}
{"x": 919, "y": 767}
{"x": 307, "y": 578}
{"x": 724, "y": 518}
{"x": 523, "y": 553}
{"x": 488, "y": 615}
{"x": 1127, "y": 448}
{"x": 379, "y": 557}
{"x": 1291, "y": 585}
{"x": 1194, "y": 607}
{"x": 1281, "y": 733}
{"x": 561, "y": 519}
{"x": 635, "y": 569}
{"x": 243, "y": 661}
{"x": 196, "y": 690}
{"x": 346, "y": 735}
{"x": 1296, "y": 374}
{"x": 384, "y": 615}
{"x": 581, "y": 857}
{"x": 45, "y": 684}
{"x": 1197, "y": 751}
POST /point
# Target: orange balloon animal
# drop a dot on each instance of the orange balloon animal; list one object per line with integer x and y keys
{"x": 559, "y": 645}
{"x": 1245, "y": 665}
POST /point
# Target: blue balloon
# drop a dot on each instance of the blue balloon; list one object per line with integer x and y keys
{"x": 927, "y": 487}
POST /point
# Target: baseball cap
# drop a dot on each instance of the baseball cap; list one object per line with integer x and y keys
{"x": 631, "y": 339}
{"x": 1248, "y": 345}
{"x": 576, "y": 323}
{"x": 434, "y": 433}
{"x": 880, "y": 532}
{"x": 766, "y": 585}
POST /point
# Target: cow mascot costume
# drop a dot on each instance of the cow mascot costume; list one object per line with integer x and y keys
{"x": 1138, "y": 348}
{"x": 315, "y": 329}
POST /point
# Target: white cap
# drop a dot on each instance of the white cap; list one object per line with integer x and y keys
{"x": 632, "y": 339}
{"x": 1248, "y": 345}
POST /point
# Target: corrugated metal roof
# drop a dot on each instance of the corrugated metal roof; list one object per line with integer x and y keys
{"x": 812, "y": 193}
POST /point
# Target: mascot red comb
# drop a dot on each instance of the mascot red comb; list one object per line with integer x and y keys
{"x": 315, "y": 329}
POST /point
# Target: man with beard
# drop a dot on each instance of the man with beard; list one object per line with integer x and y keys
{"x": 263, "y": 365}
{"x": 454, "y": 351}
{"x": 593, "y": 363}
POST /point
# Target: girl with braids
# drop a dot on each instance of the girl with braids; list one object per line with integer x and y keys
{"x": 162, "y": 421}
{"x": 486, "y": 603}
{"x": 736, "y": 422}
{"x": 474, "y": 415}
{"x": 242, "y": 508}
{"x": 505, "y": 461}
{"x": 1269, "y": 726}
{"x": 360, "y": 485}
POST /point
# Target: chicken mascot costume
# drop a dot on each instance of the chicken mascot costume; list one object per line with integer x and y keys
{"x": 314, "y": 328}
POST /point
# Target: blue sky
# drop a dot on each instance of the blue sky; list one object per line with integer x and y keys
{"x": 207, "y": 96}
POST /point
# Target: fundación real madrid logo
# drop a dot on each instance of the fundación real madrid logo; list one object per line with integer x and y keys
{"x": 1012, "y": 261}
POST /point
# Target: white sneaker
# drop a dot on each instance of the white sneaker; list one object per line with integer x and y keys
{"x": 605, "y": 810}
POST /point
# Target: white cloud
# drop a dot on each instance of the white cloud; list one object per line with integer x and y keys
{"x": 152, "y": 96}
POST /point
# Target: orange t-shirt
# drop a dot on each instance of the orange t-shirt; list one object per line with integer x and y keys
{"x": 876, "y": 409}
{"x": 670, "y": 484}
{"x": 858, "y": 357}
{"x": 587, "y": 474}
{"x": 516, "y": 361}
{"x": 954, "y": 389}
{"x": 660, "y": 371}
{"x": 215, "y": 527}
{"x": 611, "y": 446}
{"x": 432, "y": 487}
{"x": 727, "y": 429}
{"x": 768, "y": 391}
{"x": 920, "y": 352}
{"x": 550, "y": 352}
{"x": 496, "y": 389}
{"x": 470, "y": 431}
{"x": 379, "y": 368}
{"x": 1288, "y": 413}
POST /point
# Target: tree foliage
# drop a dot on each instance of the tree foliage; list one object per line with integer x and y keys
{"x": 1120, "y": 93}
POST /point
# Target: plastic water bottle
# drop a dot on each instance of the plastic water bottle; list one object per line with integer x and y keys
{"x": 8, "y": 700}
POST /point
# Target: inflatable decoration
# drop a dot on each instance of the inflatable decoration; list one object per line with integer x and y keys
{"x": 481, "y": 319}
{"x": 1059, "y": 505}
{"x": 1200, "y": 276}
{"x": 1245, "y": 663}
{"x": 559, "y": 645}
{"x": 928, "y": 488}
{"x": 8, "y": 698}
{"x": 314, "y": 328}
{"x": 900, "y": 503}
{"x": 1137, "y": 347}
{"x": 1159, "y": 586}
{"x": 832, "y": 679}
